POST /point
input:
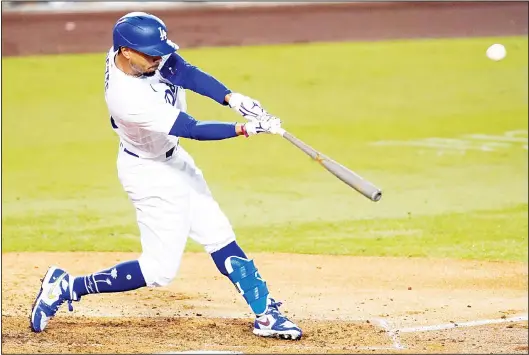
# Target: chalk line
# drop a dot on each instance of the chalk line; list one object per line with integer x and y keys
{"x": 476, "y": 323}
{"x": 393, "y": 335}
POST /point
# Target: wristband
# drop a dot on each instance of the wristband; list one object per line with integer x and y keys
{"x": 243, "y": 129}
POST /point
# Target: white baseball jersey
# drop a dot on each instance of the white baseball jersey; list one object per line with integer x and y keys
{"x": 142, "y": 110}
{"x": 169, "y": 193}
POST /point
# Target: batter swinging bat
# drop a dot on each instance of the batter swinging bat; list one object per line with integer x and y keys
{"x": 341, "y": 172}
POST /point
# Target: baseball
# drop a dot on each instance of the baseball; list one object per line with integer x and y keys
{"x": 496, "y": 52}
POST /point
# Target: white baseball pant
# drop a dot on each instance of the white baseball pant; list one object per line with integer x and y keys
{"x": 172, "y": 201}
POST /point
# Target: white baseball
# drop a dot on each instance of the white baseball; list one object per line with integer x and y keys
{"x": 496, "y": 52}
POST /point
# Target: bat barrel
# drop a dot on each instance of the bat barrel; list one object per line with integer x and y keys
{"x": 341, "y": 172}
{"x": 351, "y": 178}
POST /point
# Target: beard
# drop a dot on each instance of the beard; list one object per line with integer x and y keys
{"x": 139, "y": 72}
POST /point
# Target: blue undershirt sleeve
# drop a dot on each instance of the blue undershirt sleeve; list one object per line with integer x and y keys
{"x": 186, "y": 126}
{"x": 181, "y": 73}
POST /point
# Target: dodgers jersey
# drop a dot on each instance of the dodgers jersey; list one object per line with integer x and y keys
{"x": 142, "y": 109}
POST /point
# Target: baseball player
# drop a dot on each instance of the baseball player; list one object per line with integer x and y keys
{"x": 145, "y": 83}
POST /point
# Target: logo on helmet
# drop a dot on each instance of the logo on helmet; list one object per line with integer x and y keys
{"x": 163, "y": 34}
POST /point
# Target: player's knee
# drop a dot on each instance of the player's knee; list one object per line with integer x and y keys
{"x": 213, "y": 247}
{"x": 158, "y": 273}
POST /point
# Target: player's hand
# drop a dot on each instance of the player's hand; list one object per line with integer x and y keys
{"x": 246, "y": 107}
{"x": 264, "y": 124}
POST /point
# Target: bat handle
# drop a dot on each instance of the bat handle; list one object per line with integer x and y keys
{"x": 281, "y": 132}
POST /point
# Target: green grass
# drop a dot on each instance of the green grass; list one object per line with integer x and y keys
{"x": 60, "y": 190}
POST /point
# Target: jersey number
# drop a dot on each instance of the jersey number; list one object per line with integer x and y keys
{"x": 170, "y": 94}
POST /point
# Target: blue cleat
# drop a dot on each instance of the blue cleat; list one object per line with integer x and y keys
{"x": 56, "y": 289}
{"x": 274, "y": 324}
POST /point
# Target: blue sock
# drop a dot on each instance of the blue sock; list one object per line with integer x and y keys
{"x": 220, "y": 256}
{"x": 243, "y": 275}
{"x": 126, "y": 276}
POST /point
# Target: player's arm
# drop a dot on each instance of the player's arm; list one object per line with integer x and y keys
{"x": 187, "y": 127}
{"x": 182, "y": 73}
{"x": 158, "y": 116}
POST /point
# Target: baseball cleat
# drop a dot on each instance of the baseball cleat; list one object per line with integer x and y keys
{"x": 56, "y": 289}
{"x": 275, "y": 325}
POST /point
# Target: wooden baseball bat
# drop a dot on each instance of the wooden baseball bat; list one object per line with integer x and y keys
{"x": 341, "y": 172}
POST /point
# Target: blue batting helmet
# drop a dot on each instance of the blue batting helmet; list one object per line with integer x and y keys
{"x": 144, "y": 33}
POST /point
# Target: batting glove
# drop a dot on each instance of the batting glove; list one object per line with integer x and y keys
{"x": 264, "y": 124}
{"x": 246, "y": 107}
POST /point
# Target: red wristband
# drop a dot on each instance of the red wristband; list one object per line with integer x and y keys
{"x": 243, "y": 129}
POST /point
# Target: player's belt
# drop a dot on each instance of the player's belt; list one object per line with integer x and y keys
{"x": 168, "y": 154}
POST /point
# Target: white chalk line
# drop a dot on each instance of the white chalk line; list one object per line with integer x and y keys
{"x": 397, "y": 344}
{"x": 429, "y": 328}
{"x": 393, "y": 335}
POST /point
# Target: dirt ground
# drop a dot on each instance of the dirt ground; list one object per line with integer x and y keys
{"x": 340, "y": 302}
{"x": 343, "y": 304}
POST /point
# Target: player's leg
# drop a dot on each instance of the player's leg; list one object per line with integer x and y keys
{"x": 211, "y": 228}
{"x": 163, "y": 220}
{"x": 206, "y": 228}
{"x": 58, "y": 286}
{"x": 164, "y": 225}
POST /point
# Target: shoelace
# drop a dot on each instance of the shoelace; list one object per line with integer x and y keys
{"x": 274, "y": 307}
{"x": 60, "y": 302}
